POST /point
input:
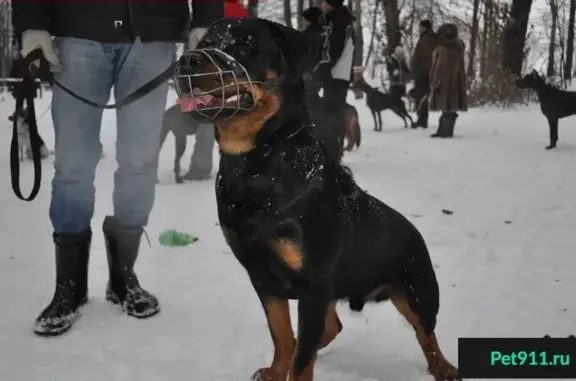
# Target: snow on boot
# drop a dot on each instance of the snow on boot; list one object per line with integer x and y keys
{"x": 122, "y": 246}
{"x": 71, "y": 293}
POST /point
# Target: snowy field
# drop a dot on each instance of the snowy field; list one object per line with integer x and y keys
{"x": 505, "y": 260}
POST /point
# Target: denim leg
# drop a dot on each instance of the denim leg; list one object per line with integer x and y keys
{"x": 87, "y": 69}
{"x": 139, "y": 127}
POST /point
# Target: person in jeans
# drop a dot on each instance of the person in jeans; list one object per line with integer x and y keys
{"x": 97, "y": 47}
{"x": 448, "y": 80}
{"x": 421, "y": 63}
{"x": 338, "y": 34}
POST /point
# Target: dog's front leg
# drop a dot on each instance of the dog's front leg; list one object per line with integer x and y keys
{"x": 553, "y": 125}
{"x": 312, "y": 312}
{"x": 278, "y": 317}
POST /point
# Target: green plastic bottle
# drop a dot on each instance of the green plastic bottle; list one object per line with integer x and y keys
{"x": 172, "y": 237}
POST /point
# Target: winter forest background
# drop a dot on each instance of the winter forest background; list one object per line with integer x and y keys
{"x": 503, "y": 38}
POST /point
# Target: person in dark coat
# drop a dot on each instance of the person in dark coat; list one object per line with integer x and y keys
{"x": 100, "y": 46}
{"x": 336, "y": 71}
{"x": 398, "y": 72}
{"x": 421, "y": 63}
{"x": 448, "y": 79}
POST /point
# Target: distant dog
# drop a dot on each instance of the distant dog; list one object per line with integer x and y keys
{"x": 333, "y": 129}
{"x": 183, "y": 125}
{"x": 554, "y": 103}
{"x": 378, "y": 101}
{"x": 23, "y": 131}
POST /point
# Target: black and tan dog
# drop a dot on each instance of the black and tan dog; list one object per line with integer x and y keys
{"x": 296, "y": 220}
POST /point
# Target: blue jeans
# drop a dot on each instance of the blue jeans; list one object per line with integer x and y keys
{"x": 91, "y": 69}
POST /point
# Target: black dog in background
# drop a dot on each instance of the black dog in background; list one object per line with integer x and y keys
{"x": 295, "y": 219}
{"x": 554, "y": 103}
{"x": 378, "y": 101}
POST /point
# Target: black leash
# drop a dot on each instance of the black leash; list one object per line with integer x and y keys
{"x": 25, "y": 93}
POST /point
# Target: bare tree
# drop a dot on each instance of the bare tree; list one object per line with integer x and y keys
{"x": 473, "y": 38}
{"x": 570, "y": 41}
{"x": 515, "y": 36}
{"x": 551, "y": 70}
{"x": 392, "y": 14}
{"x": 288, "y": 13}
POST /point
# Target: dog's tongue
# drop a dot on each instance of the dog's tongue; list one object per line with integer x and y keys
{"x": 189, "y": 104}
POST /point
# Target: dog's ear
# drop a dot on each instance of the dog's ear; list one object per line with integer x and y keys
{"x": 299, "y": 50}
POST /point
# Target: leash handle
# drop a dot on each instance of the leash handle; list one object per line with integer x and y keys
{"x": 25, "y": 94}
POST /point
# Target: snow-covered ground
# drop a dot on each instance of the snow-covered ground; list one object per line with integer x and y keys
{"x": 505, "y": 260}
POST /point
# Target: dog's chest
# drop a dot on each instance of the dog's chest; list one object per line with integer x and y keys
{"x": 273, "y": 185}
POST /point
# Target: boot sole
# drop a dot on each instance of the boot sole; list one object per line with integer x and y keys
{"x": 115, "y": 301}
{"x": 52, "y": 331}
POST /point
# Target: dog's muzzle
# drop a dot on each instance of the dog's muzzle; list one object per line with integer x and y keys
{"x": 212, "y": 85}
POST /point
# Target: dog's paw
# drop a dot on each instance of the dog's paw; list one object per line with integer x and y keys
{"x": 178, "y": 180}
{"x": 551, "y": 146}
{"x": 267, "y": 374}
{"x": 444, "y": 371}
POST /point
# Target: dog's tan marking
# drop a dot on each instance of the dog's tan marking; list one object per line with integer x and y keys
{"x": 278, "y": 317}
{"x": 350, "y": 129}
{"x": 332, "y": 326}
{"x": 237, "y": 135}
{"x": 438, "y": 366}
{"x": 289, "y": 252}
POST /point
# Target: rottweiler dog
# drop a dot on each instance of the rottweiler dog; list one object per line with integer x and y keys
{"x": 295, "y": 219}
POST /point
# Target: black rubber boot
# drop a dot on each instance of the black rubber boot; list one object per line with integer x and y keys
{"x": 71, "y": 293}
{"x": 451, "y": 124}
{"x": 122, "y": 246}
{"x": 442, "y": 130}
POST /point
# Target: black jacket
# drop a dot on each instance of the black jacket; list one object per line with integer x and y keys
{"x": 115, "y": 20}
{"x": 338, "y": 25}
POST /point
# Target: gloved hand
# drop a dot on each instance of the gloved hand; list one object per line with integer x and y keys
{"x": 33, "y": 39}
{"x": 195, "y": 36}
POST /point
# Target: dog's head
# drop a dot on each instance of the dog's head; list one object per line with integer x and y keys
{"x": 239, "y": 64}
{"x": 243, "y": 73}
{"x": 530, "y": 81}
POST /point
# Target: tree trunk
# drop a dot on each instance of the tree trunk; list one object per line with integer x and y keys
{"x": 570, "y": 41}
{"x": 392, "y": 15}
{"x": 358, "y": 35}
{"x": 373, "y": 34}
{"x": 550, "y": 71}
{"x": 484, "y": 46}
{"x": 299, "y": 10}
{"x": 474, "y": 38}
{"x": 288, "y": 13}
{"x": 515, "y": 36}
{"x": 253, "y": 8}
